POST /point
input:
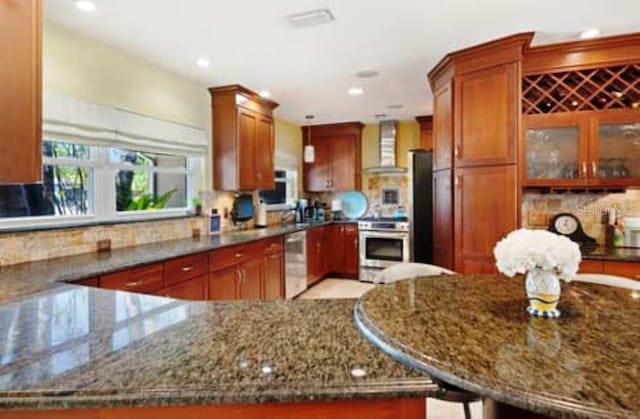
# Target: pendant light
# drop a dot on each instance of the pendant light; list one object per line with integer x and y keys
{"x": 309, "y": 149}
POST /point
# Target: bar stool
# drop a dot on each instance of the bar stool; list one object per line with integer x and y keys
{"x": 400, "y": 271}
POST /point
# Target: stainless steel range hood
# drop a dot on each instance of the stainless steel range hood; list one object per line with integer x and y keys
{"x": 387, "y": 143}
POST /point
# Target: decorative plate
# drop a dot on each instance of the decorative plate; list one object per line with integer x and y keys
{"x": 354, "y": 204}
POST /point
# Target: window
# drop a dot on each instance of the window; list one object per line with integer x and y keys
{"x": 82, "y": 182}
{"x": 285, "y": 192}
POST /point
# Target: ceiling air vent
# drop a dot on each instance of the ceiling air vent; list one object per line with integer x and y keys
{"x": 311, "y": 18}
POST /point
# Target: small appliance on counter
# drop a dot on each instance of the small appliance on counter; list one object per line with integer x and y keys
{"x": 261, "y": 217}
{"x": 242, "y": 208}
{"x": 631, "y": 232}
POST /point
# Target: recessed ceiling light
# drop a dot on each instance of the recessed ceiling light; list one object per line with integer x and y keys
{"x": 203, "y": 62}
{"x": 380, "y": 116}
{"x": 311, "y": 18}
{"x": 86, "y": 5}
{"x": 355, "y": 91}
{"x": 367, "y": 74}
{"x": 396, "y": 106}
{"x": 265, "y": 93}
{"x": 590, "y": 33}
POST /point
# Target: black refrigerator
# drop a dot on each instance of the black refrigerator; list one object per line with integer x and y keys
{"x": 421, "y": 205}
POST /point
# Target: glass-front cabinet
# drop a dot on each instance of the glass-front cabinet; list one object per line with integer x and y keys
{"x": 582, "y": 149}
{"x": 555, "y": 150}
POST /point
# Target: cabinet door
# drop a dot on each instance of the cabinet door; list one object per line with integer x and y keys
{"x": 487, "y": 113}
{"x": 343, "y": 158}
{"x": 485, "y": 211}
{"x": 337, "y": 258}
{"x": 314, "y": 266}
{"x": 21, "y": 87}
{"x": 614, "y": 152}
{"x": 274, "y": 276}
{"x": 625, "y": 269}
{"x": 246, "y": 158}
{"x": 264, "y": 169}
{"x": 443, "y": 127}
{"x": 250, "y": 287}
{"x": 555, "y": 150}
{"x": 351, "y": 250}
{"x": 443, "y": 219}
{"x": 223, "y": 284}
{"x": 193, "y": 289}
{"x": 318, "y": 173}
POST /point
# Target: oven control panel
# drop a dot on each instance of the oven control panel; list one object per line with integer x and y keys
{"x": 383, "y": 225}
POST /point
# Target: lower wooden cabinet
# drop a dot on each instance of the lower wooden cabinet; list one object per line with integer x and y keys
{"x": 223, "y": 284}
{"x": 343, "y": 250}
{"x": 146, "y": 279}
{"x": 192, "y": 289}
{"x": 591, "y": 267}
{"x": 318, "y": 255}
{"x": 626, "y": 269}
{"x": 274, "y": 276}
{"x": 88, "y": 282}
{"x": 251, "y": 280}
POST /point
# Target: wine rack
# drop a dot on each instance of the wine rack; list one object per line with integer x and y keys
{"x": 615, "y": 87}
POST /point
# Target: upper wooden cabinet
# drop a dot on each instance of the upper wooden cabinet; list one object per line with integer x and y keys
{"x": 426, "y": 131}
{"x": 243, "y": 139}
{"x": 443, "y": 126}
{"x": 21, "y": 86}
{"x": 337, "y": 165}
{"x": 486, "y": 116}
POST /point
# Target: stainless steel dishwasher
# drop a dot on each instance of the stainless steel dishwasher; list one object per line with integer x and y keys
{"x": 295, "y": 260}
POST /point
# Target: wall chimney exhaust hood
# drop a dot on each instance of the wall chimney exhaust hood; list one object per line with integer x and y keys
{"x": 388, "y": 134}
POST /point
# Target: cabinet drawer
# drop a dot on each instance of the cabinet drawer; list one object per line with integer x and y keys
{"x": 144, "y": 279}
{"x": 591, "y": 267}
{"x": 273, "y": 245}
{"x": 230, "y": 256}
{"x": 626, "y": 269}
{"x": 183, "y": 268}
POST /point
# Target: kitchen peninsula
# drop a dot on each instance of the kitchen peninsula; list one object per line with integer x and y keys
{"x": 77, "y": 351}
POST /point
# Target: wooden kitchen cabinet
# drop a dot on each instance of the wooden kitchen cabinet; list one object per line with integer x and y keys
{"x": 194, "y": 289}
{"x": 21, "y": 86}
{"x": 318, "y": 253}
{"x": 145, "y": 279}
{"x": 486, "y": 210}
{"x": 223, "y": 284}
{"x": 183, "y": 268}
{"x": 88, "y": 282}
{"x": 426, "y": 131}
{"x": 442, "y": 123}
{"x": 337, "y": 164}
{"x": 626, "y": 269}
{"x": 343, "y": 250}
{"x": 251, "y": 280}
{"x": 243, "y": 139}
{"x": 274, "y": 269}
{"x": 486, "y": 116}
{"x": 443, "y": 241}
{"x": 591, "y": 267}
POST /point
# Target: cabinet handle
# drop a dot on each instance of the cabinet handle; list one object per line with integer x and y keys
{"x": 456, "y": 152}
{"x": 244, "y": 276}
{"x": 133, "y": 284}
{"x": 457, "y": 181}
{"x": 594, "y": 169}
{"x": 584, "y": 169}
{"x": 238, "y": 276}
{"x": 187, "y": 268}
{"x": 238, "y": 255}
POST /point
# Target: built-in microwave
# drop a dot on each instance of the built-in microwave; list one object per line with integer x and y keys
{"x": 282, "y": 196}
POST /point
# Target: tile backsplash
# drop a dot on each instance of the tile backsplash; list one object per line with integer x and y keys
{"x": 38, "y": 245}
{"x": 538, "y": 208}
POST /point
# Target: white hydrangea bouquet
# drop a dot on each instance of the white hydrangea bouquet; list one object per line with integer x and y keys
{"x": 545, "y": 258}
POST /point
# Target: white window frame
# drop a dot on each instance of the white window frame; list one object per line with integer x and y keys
{"x": 291, "y": 191}
{"x": 102, "y": 192}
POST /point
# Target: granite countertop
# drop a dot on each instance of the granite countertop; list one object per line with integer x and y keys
{"x": 26, "y": 278}
{"x": 73, "y": 347}
{"x": 69, "y": 346}
{"x": 616, "y": 254}
{"x": 473, "y": 332}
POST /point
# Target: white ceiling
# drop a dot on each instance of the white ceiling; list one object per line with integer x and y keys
{"x": 308, "y": 70}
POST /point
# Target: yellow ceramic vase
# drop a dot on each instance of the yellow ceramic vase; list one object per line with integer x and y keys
{"x": 543, "y": 291}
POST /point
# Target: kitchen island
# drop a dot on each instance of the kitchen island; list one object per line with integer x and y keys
{"x": 473, "y": 332}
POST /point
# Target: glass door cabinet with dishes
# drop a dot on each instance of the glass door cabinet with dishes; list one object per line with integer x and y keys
{"x": 582, "y": 149}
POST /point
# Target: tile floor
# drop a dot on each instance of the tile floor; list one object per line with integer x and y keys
{"x": 345, "y": 288}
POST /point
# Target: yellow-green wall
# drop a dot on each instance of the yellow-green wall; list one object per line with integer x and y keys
{"x": 288, "y": 144}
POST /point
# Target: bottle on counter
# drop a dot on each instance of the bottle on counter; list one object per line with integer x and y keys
{"x": 214, "y": 222}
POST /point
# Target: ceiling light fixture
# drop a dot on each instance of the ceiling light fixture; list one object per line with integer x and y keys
{"x": 396, "y": 106}
{"x": 309, "y": 149}
{"x": 355, "y": 91}
{"x": 203, "y": 62}
{"x": 265, "y": 94}
{"x": 86, "y": 5}
{"x": 311, "y": 18}
{"x": 589, "y": 33}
